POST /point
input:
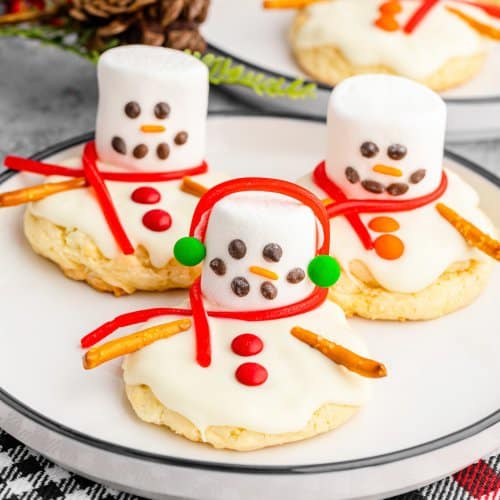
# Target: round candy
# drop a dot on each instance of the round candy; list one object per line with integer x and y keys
{"x": 157, "y": 220}
{"x": 146, "y": 195}
{"x": 247, "y": 344}
{"x": 251, "y": 374}
{"x": 189, "y": 251}
{"x": 383, "y": 225}
{"x": 389, "y": 247}
{"x": 323, "y": 271}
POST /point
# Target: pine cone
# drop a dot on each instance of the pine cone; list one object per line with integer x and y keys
{"x": 169, "y": 23}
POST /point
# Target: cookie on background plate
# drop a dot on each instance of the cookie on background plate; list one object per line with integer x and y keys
{"x": 410, "y": 236}
{"x": 336, "y": 39}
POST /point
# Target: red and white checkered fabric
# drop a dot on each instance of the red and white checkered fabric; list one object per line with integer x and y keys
{"x": 26, "y": 475}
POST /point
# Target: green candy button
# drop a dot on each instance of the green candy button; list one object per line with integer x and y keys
{"x": 323, "y": 271}
{"x": 189, "y": 251}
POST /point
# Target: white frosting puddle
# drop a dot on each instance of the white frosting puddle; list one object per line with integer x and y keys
{"x": 431, "y": 243}
{"x": 348, "y": 25}
{"x": 300, "y": 380}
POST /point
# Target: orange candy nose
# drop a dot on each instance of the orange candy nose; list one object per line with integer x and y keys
{"x": 389, "y": 247}
{"x": 383, "y": 225}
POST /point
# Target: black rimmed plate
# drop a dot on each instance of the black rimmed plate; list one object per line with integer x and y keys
{"x": 438, "y": 410}
{"x": 246, "y": 32}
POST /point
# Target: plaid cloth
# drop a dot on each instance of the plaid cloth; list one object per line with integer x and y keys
{"x": 26, "y": 475}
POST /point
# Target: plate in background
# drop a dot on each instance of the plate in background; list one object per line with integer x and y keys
{"x": 250, "y": 35}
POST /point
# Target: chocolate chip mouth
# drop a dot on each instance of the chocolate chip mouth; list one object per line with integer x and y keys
{"x": 375, "y": 187}
{"x": 141, "y": 150}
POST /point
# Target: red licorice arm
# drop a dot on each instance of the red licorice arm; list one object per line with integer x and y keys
{"x": 201, "y": 326}
{"x": 131, "y": 318}
{"x": 419, "y": 15}
{"x": 321, "y": 179}
{"x": 37, "y": 167}
{"x": 104, "y": 199}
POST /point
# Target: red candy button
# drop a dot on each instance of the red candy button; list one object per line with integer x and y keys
{"x": 251, "y": 374}
{"x": 146, "y": 195}
{"x": 157, "y": 220}
{"x": 247, "y": 344}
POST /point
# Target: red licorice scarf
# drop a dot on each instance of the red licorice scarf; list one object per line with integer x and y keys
{"x": 199, "y": 314}
{"x": 96, "y": 178}
{"x": 351, "y": 209}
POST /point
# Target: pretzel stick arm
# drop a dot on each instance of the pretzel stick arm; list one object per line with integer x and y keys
{"x": 338, "y": 354}
{"x": 131, "y": 343}
{"x": 471, "y": 233}
{"x": 190, "y": 186}
{"x": 39, "y": 192}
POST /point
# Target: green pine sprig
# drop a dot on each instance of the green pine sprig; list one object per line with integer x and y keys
{"x": 59, "y": 37}
{"x": 222, "y": 70}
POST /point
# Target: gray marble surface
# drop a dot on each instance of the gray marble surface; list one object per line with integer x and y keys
{"x": 47, "y": 96}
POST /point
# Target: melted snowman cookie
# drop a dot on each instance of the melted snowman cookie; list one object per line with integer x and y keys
{"x": 402, "y": 259}
{"x": 117, "y": 234}
{"x": 445, "y": 48}
{"x": 258, "y": 329}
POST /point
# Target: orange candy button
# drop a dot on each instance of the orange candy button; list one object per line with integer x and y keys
{"x": 389, "y": 247}
{"x": 391, "y": 7}
{"x": 387, "y": 23}
{"x": 383, "y": 225}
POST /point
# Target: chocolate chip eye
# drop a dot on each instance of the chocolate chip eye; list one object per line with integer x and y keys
{"x": 132, "y": 109}
{"x": 295, "y": 276}
{"x": 240, "y": 286}
{"x": 272, "y": 252}
{"x": 118, "y": 144}
{"x": 237, "y": 249}
{"x": 181, "y": 138}
{"x": 396, "y": 151}
{"x": 268, "y": 290}
{"x": 369, "y": 149}
{"x": 162, "y": 110}
{"x": 218, "y": 266}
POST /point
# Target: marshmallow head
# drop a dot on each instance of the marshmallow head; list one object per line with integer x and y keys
{"x": 385, "y": 137}
{"x": 259, "y": 246}
{"x": 152, "y": 108}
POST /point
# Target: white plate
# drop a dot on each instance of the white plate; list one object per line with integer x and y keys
{"x": 249, "y": 34}
{"x": 438, "y": 410}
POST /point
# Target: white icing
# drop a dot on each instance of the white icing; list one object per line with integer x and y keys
{"x": 348, "y": 25}
{"x": 300, "y": 378}
{"x": 385, "y": 110}
{"x": 79, "y": 209}
{"x": 431, "y": 243}
{"x": 258, "y": 219}
{"x": 150, "y": 75}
